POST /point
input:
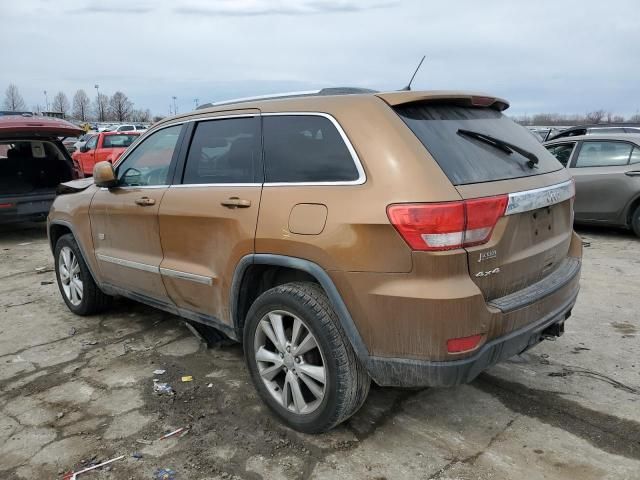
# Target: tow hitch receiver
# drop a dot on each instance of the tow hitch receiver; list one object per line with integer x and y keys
{"x": 553, "y": 331}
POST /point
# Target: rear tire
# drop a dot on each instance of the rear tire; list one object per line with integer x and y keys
{"x": 635, "y": 221}
{"x": 77, "y": 287}
{"x": 309, "y": 376}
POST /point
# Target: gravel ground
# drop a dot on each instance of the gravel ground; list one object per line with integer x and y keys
{"x": 79, "y": 390}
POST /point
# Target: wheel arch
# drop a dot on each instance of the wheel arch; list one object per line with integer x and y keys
{"x": 631, "y": 208}
{"x": 58, "y": 228}
{"x": 248, "y": 271}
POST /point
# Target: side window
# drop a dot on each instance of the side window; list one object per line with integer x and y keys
{"x": 225, "y": 151}
{"x": 562, "y": 152}
{"x": 149, "y": 163}
{"x": 603, "y": 154}
{"x": 92, "y": 142}
{"x": 305, "y": 148}
{"x": 635, "y": 156}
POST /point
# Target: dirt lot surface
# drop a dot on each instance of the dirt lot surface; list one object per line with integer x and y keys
{"x": 79, "y": 390}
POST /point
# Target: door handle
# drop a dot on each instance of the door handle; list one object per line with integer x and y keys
{"x": 235, "y": 202}
{"x": 145, "y": 201}
{"x": 633, "y": 173}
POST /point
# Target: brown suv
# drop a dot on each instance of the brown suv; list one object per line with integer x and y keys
{"x": 412, "y": 238}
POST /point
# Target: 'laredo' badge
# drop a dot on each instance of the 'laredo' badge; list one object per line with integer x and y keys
{"x": 488, "y": 255}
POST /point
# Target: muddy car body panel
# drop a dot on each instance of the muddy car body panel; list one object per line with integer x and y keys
{"x": 216, "y": 207}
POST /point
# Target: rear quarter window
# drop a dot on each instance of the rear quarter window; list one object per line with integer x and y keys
{"x": 306, "y": 149}
{"x": 466, "y": 160}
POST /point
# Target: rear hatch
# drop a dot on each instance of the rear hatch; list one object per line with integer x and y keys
{"x": 19, "y": 127}
{"x": 523, "y": 231}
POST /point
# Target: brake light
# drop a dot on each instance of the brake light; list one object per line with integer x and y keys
{"x": 7, "y": 205}
{"x": 463, "y": 344}
{"x": 450, "y": 225}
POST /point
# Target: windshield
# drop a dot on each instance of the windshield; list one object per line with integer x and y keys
{"x": 118, "y": 141}
{"x": 469, "y": 160}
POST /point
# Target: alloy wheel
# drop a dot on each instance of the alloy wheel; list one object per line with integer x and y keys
{"x": 290, "y": 362}
{"x": 69, "y": 271}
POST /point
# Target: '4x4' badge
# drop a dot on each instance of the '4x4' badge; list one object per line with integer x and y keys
{"x": 488, "y": 272}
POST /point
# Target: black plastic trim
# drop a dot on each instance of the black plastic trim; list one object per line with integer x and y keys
{"x": 420, "y": 373}
{"x": 312, "y": 269}
{"x": 566, "y": 272}
{"x": 174, "y": 309}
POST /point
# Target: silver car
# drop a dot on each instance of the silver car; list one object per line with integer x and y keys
{"x": 606, "y": 169}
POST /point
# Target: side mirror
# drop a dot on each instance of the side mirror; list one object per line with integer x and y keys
{"x": 103, "y": 175}
{"x": 84, "y": 149}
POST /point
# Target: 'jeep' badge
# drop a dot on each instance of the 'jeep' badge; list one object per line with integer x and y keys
{"x": 488, "y": 255}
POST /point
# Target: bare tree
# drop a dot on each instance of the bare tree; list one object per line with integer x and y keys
{"x": 81, "y": 105}
{"x": 635, "y": 118}
{"x": 13, "y": 101}
{"x": 595, "y": 117}
{"x": 60, "y": 104}
{"x": 120, "y": 106}
{"x": 101, "y": 105}
{"x": 140, "y": 115}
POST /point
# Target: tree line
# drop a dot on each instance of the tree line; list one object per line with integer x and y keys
{"x": 595, "y": 117}
{"x": 116, "y": 107}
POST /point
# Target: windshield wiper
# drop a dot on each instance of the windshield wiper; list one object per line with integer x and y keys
{"x": 506, "y": 147}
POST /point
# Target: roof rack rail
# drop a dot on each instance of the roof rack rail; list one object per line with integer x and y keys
{"x": 304, "y": 93}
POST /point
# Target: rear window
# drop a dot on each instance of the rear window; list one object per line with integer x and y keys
{"x": 118, "y": 141}
{"x": 466, "y": 160}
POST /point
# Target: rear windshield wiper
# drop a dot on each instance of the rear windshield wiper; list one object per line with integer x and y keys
{"x": 506, "y": 147}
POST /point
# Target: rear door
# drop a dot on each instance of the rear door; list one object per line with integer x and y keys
{"x": 124, "y": 219}
{"x": 208, "y": 218}
{"x": 603, "y": 186}
{"x": 532, "y": 238}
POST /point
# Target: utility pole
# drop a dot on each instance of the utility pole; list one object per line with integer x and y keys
{"x": 196, "y": 102}
{"x": 46, "y": 101}
{"x": 175, "y": 107}
{"x": 100, "y": 112}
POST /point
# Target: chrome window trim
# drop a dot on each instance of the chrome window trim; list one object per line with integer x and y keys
{"x": 133, "y": 187}
{"x": 192, "y": 277}
{"x": 528, "y": 200}
{"x": 128, "y": 263}
{"x": 362, "y": 177}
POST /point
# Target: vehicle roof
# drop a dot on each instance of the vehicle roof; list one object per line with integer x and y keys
{"x": 632, "y": 137}
{"x": 304, "y": 101}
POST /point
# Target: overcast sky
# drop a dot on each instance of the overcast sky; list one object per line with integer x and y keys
{"x": 544, "y": 56}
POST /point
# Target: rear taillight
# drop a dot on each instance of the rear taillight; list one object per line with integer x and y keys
{"x": 445, "y": 226}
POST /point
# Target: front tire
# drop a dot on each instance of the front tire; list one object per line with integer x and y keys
{"x": 301, "y": 361}
{"x": 77, "y": 287}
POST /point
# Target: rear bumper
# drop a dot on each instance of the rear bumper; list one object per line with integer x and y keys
{"x": 28, "y": 207}
{"x": 420, "y": 373}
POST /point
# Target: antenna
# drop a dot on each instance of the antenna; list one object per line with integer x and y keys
{"x": 408, "y": 87}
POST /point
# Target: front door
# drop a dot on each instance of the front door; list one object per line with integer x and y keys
{"x": 124, "y": 219}
{"x": 87, "y": 159}
{"x": 602, "y": 187}
{"x": 208, "y": 219}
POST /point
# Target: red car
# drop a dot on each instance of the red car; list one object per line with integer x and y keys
{"x": 33, "y": 161}
{"x": 103, "y": 146}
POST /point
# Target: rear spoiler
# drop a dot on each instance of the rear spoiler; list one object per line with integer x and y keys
{"x": 456, "y": 98}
